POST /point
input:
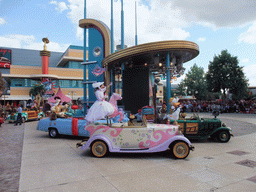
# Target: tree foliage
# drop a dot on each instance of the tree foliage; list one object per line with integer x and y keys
{"x": 195, "y": 82}
{"x": 37, "y": 89}
{"x": 224, "y": 74}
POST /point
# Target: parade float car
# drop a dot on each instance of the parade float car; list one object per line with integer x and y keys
{"x": 63, "y": 126}
{"x": 143, "y": 138}
{"x": 203, "y": 128}
{"x": 26, "y": 116}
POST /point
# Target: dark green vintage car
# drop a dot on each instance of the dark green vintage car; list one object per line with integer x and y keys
{"x": 203, "y": 128}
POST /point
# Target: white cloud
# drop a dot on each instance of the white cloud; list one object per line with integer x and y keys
{"x": 29, "y": 42}
{"x": 201, "y": 39}
{"x": 218, "y": 13}
{"x": 245, "y": 60}
{"x": 54, "y": 2}
{"x": 2, "y": 21}
{"x": 160, "y": 22}
{"x": 250, "y": 35}
{"x": 249, "y": 72}
{"x": 61, "y": 6}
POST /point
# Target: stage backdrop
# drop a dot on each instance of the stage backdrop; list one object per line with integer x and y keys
{"x": 135, "y": 88}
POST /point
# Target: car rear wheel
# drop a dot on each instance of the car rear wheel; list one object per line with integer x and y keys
{"x": 180, "y": 150}
{"x": 99, "y": 149}
{"x": 23, "y": 120}
{"x": 53, "y": 133}
{"x": 223, "y": 136}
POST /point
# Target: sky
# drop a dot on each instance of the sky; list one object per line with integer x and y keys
{"x": 212, "y": 24}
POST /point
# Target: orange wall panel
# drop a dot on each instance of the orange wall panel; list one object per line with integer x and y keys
{"x": 75, "y": 53}
{"x": 20, "y": 90}
{"x": 64, "y": 72}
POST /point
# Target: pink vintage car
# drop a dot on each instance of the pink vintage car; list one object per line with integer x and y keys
{"x": 145, "y": 138}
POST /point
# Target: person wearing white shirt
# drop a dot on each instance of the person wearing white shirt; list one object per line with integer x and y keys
{"x": 19, "y": 117}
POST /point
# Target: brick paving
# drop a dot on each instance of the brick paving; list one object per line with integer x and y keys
{"x": 11, "y": 143}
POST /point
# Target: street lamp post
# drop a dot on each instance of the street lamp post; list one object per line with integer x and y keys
{"x": 72, "y": 93}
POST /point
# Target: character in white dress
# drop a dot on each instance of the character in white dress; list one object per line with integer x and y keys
{"x": 101, "y": 108}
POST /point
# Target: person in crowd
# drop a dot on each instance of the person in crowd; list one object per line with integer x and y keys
{"x": 19, "y": 116}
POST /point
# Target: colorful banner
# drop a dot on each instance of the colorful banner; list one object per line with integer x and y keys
{"x": 5, "y": 58}
{"x": 97, "y": 71}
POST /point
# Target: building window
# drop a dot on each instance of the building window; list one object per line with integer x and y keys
{"x": 74, "y": 83}
{"x": 18, "y": 82}
{"x": 80, "y": 84}
{"x": 64, "y": 83}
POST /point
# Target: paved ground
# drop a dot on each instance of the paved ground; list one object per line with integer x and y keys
{"x": 56, "y": 165}
{"x": 11, "y": 143}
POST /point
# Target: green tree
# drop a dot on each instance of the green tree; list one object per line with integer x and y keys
{"x": 181, "y": 90}
{"x": 2, "y": 84}
{"x": 195, "y": 82}
{"x": 225, "y": 75}
{"x": 37, "y": 89}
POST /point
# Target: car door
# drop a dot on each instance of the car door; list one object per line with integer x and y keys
{"x": 134, "y": 138}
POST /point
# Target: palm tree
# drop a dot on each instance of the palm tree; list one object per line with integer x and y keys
{"x": 37, "y": 89}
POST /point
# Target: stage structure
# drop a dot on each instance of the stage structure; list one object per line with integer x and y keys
{"x": 143, "y": 63}
{"x": 138, "y": 66}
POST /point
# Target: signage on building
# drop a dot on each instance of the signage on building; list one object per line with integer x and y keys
{"x": 5, "y": 58}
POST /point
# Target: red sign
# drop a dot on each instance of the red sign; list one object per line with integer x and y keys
{"x": 5, "y": 58}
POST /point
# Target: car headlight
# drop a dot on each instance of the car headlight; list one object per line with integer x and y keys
{"x": 224, "y": 125}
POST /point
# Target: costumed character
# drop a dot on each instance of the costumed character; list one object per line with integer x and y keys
{"x": 130, "y": 122}
{"x": 175, "y": 109}
{"x": 58, "y": 109}
{"x": 101, "y": 108}
{"x": 163, "y": 114}
{"x": 34, "y": 105}
{"x": 139, "y": 115}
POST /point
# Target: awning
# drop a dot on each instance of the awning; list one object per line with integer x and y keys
{"x": 15, "y": 97}
{"x": 62, "y": 97}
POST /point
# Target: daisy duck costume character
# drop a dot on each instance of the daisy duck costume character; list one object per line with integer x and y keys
{"x": 101, "y": 108}
{"x": 175, "y": 109}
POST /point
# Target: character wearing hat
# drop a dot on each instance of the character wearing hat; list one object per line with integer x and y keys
{"x": 101, "y": 108}
{"x": 175, "y": 109}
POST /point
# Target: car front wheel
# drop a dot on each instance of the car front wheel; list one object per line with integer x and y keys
{"x": 180, "y": 150}
{"x": 23, "y": 119}
{"x": 223, "y": 136}
{"x": 53, "y": 133}
{"x": 99, "y": 149}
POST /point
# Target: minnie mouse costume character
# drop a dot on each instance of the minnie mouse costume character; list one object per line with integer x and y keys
{"x": 101, "y": 108}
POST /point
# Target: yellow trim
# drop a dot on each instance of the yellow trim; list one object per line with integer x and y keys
{"x": 185, "y": 47}
{"x": 102, "y": 28}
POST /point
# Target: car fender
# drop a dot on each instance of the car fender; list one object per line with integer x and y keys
{"x": 98, "y": 137}
{"x": 25, "y": 115}
{"x": 222, "y": 129}
{"x": 39, "y": 114}
{"x": 179, "y": 138}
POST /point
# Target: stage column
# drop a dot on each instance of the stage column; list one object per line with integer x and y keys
{"x": 168, "y": 81}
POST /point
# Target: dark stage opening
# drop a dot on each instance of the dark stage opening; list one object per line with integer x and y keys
{"x": 135, "y": 88}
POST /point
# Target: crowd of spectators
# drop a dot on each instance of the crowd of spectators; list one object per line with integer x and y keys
{"x": 223, "y": 106}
